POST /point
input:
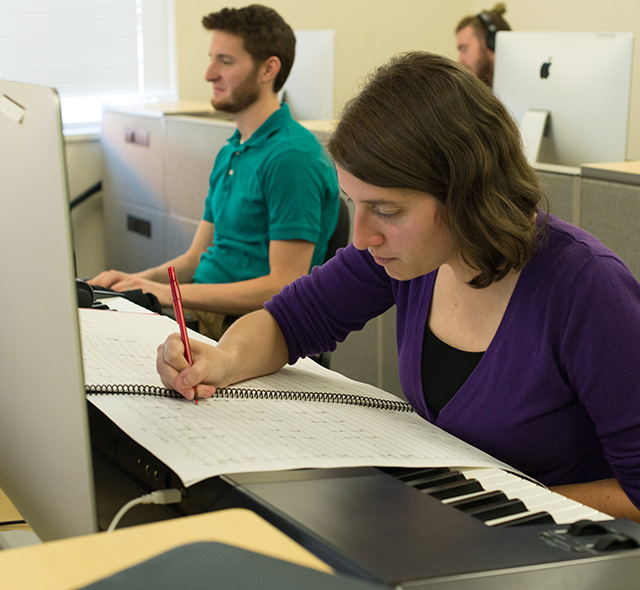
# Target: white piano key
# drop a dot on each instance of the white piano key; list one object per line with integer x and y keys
{"x": 535, "y": 497}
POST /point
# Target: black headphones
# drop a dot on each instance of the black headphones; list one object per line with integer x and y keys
{"x": 489, "y": 25}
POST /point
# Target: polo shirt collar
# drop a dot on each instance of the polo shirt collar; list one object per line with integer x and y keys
{"x": 275, "y": 122}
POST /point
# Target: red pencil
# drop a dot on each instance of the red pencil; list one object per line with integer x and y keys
{"x": 179, "y": 313}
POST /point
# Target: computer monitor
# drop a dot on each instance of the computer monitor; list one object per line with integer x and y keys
{"x": 582, "y": 80}
{"x": 309, "y": 89}
{"x": 45, "y": 452}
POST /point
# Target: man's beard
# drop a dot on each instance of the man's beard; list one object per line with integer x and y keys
{"x": 242, "y": 97}
{"x": 484, "y": 69}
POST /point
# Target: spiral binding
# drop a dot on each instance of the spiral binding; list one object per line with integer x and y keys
{"x": 314, "y": 396}
{"x": 247, "y": 393}
{"x": 134, "y": 389}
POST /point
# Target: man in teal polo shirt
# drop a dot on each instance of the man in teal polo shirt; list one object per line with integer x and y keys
{"x": 273, "y": 199}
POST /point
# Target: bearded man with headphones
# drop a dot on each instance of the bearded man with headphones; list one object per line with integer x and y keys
{"x": 476, "y": 41}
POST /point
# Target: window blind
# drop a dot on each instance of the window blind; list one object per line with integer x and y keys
{"x": 91, "y": 51}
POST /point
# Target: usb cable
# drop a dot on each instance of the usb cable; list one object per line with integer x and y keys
{"x": 169, "y": 496}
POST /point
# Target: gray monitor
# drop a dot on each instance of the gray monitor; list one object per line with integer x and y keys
{"x": 45, "y": 452}
{"x": 309, "y": 89}
{"x": 569, "y": 91}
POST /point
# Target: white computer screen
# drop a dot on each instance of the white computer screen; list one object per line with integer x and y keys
{"x": 582, "y": 79}
{"x": 309, "y": 89}
{"x": 45, "y": 454}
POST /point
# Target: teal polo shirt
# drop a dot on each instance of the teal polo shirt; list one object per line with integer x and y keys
{"x": 278, "y": 185}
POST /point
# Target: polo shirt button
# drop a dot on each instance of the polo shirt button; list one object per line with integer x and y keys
{"x": 230, "y": 172}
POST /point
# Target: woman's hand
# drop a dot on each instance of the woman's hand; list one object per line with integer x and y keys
{"x": 252, "y": 347}
{"x": 207, "y": 373}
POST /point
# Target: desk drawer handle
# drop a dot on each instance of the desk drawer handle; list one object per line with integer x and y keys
{"x": 139, "y": 226}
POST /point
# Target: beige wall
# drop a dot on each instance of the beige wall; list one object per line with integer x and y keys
{"x": 370, "y": 31}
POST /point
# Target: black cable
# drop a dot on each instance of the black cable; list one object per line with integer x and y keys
{"x": 86, "y": 194}
{"x": 12, "y": 522}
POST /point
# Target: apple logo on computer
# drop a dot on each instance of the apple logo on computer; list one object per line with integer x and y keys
{"x": 544, "y": 69}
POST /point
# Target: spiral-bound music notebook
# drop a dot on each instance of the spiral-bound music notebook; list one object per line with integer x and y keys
{"x": 302, "y": 416}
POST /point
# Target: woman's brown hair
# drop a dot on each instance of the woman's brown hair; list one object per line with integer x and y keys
{"x": 423, "y": 122}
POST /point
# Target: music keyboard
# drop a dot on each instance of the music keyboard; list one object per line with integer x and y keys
{"x": 371, "y": 524}
{"x": 534, "y": 499}
{"x": 377, "y": 524}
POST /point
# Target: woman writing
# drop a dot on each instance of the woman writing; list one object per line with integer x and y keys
{"x": 516, "y": 331}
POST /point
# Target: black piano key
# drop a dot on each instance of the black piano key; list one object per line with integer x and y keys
{"x": 501, "y": 510}
{"x": 397, "y": 471}
{"x": 454, "y": 489}
{"x": 434, "y": 480}
{"x": 535, "y": 518}
{"x": 486, "y": 499}
{"x": 447, "y": 484}
{"x": 409, "y": 474}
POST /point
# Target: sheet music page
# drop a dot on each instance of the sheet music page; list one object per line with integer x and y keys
{"x": 232, "y": 435}
{"x": 119, "y": 348}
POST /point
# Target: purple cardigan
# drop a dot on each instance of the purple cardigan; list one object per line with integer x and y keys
{"x": 556, "y": 394}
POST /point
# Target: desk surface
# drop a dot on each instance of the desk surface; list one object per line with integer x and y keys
{"x": 79, "y": 561}
{"x": 625, "y": 172}
{"x": 8, "y": 512}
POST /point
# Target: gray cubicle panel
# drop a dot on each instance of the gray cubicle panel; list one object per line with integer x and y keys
{"x": 563, "y": 192}
{"x": 608, "y": 209}
{"x": 190, "y": 148}
{"x": 611, "y": 212}
{"x": 371, "y": 355}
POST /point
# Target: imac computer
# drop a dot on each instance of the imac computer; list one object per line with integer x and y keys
{"x": 45, "y": 451}
{"x": 309, "y": 89}
{"x": 569, "y": 93}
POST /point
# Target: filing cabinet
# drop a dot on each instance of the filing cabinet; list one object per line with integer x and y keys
{"x": 191, "y": 145}
{"x": 155, "y": 179}
{"x": 132, "y": 152}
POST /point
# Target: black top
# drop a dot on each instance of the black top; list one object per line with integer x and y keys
{"x": 444, "y": 370}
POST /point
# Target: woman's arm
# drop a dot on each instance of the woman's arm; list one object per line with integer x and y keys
{"x": 605, "y": 495}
